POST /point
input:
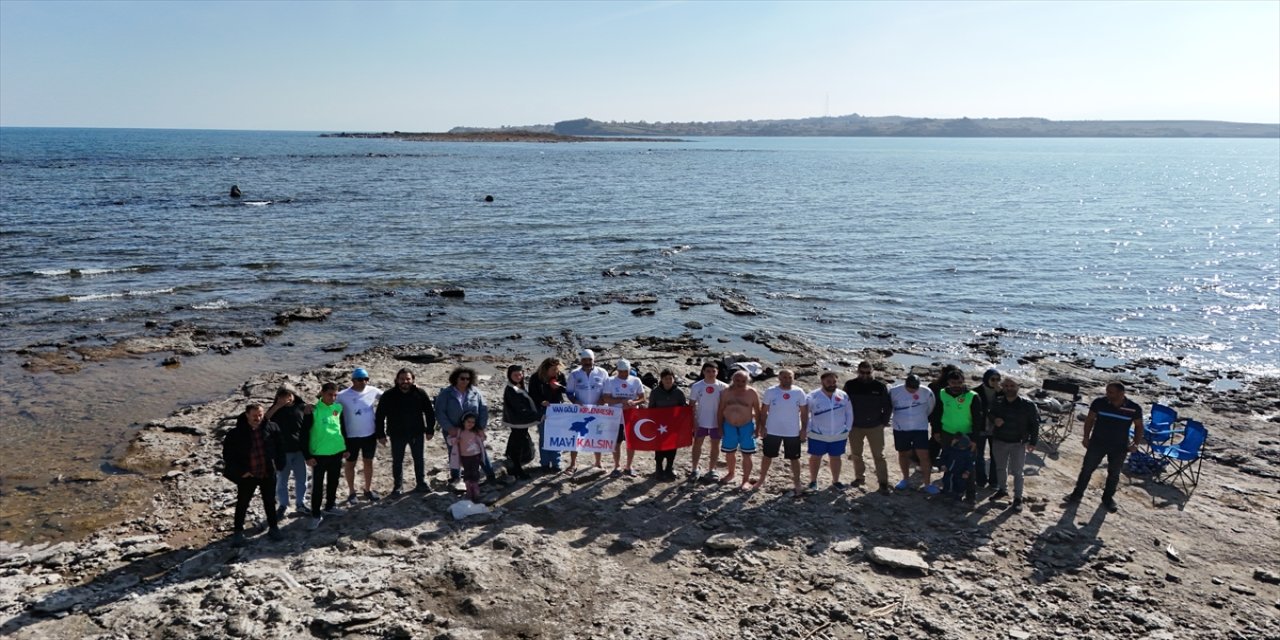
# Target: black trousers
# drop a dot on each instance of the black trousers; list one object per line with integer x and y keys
{"x": 668, "y": 457}
{"x": 325, "y": 474}
{"x": 984, "y": 463}
{"x": 415, "y": 444}
{"x": 245, "y": 488}
{"x": 1114, "y": 452}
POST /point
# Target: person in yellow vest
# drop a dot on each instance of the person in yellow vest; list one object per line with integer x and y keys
{"x": 959, "y": 411}
{"x": 326, "y": 446}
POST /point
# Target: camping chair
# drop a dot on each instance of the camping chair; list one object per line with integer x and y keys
{"x": 1159, "y": 429}
{"x": 1057, "y": 416}
{"x": 1184, "y": 458}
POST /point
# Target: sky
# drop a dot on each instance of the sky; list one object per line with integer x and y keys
{"x": 430, "y": 66}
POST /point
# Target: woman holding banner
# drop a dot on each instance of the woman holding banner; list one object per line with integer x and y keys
{"x": 666, "y": 394}
{"x": 546, "y": 387}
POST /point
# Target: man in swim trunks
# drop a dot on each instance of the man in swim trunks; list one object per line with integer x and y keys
{"x": 704, "y": 395}
{"x": 737, "y": 415}
{"x": 785, "y": 421}
{"x": 624, "y": 391}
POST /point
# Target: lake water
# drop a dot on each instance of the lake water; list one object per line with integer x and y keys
{"x": 1122, "y": 248}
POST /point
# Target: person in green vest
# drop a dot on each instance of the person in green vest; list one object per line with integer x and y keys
{"x": 959, "y": 412}
{"x": 326, "y": 446}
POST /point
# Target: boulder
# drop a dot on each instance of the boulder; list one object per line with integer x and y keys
{"x": 303, "y": 313}
{"x": 450, "y": 292}
{"x": 897, "y": 559}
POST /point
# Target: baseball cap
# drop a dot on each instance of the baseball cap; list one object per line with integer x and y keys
{"x": 913, "y": 382}
{"x": 359, "y": 374}
{"x": 586, "y": 354}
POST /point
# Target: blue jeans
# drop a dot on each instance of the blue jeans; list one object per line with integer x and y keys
{"x": 296, "y": 463}
{"x": 547, "y": 459}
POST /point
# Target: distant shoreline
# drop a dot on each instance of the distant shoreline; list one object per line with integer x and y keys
{"x": 857, "y": 126}
{"x": 496, "y": 136}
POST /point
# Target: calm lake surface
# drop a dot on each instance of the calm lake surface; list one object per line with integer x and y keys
{"x": 1102, "y": 247}
{"x": 1121, "y": 247}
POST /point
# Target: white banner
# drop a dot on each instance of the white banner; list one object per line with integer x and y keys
{"x": 588, "y": 428}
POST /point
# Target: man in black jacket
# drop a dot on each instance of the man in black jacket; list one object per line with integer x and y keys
{"x": 1016, "y": 424}
{"x": 251, "y": 455}
{"x": 405, "y": 413}
{"x": 872, "y": 411}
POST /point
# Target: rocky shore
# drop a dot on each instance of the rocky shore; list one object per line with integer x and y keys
{"x": 594, "y": 557}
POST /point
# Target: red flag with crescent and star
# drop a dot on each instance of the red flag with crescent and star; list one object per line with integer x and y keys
{"x": 659, "y": 429}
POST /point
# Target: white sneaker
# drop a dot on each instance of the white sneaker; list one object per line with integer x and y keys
{"x": 315, "y": 523}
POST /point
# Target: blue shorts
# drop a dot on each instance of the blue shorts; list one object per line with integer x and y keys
{"x": 834, "y": 449}
{"x": 910, "y": 440}
{"x": 736, "y": 438}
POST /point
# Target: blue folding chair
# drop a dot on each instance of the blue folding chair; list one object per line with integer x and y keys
{"x": 1160, "y": 427}
{"x": 1184, "y": 458}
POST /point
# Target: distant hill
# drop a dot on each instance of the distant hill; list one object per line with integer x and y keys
{"x": 900, "y": 126}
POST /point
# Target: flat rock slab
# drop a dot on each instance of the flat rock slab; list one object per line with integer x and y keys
{"x": 897, "y": 559}
{"x": 726, "y": 542}
{"x": 847, "y": 546}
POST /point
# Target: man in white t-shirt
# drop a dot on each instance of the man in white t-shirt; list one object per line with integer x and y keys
{"x": 626, "y": 391}
{"x": 912, "y": 404}
{"x": 584, "y": 386}
{"x": 704, "y": 395}
{"x": 784, "y": 419}
{"x": 358, "y": 405}
{"x": 830, "y": 420}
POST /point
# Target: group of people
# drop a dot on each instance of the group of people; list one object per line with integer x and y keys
{"x": 977, "y": 437}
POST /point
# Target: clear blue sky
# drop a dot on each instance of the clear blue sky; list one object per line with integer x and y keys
{"x": 429, "y": 66}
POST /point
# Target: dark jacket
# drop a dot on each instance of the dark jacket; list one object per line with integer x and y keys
{"x": 871, "y": 404}
{"x": 518, "y": 407}
{"x": 1021, "y": 419}
{"x": 542, "y": 392}
{"x": 404, "y": 414}
{"x": 293, "y": 421}
{"x": 236, "y": 447}
{"x": 987, "y": 395}
{"x": 977, "y": 412}
{"x": 660, "y": 397}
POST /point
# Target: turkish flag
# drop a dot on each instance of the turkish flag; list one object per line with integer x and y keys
{"x": 659, "y": 429}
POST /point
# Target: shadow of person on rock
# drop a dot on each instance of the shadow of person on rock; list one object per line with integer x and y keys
{"x": 1064, "y": 547}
